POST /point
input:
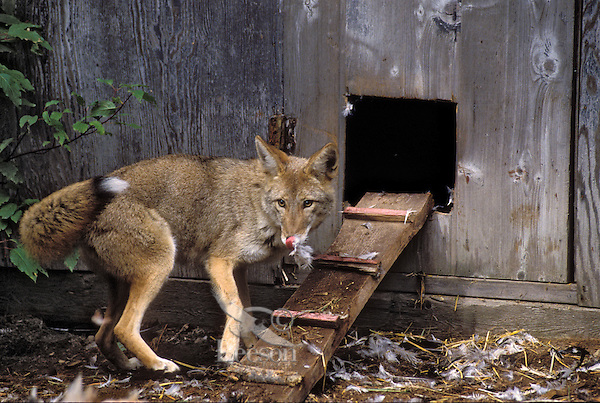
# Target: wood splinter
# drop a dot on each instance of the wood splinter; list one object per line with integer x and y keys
{"x": 378, "y": 214}
{"x": 367, "y": 266}
{"x": 265, "y": 375}
{"x": 317, "y": 319}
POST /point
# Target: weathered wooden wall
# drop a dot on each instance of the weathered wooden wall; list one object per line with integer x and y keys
{"x": 219, "y": 70}
{"x": 587, "y": 163}
{"x": 214, "y": 68}
{"x": 508, "y": 65}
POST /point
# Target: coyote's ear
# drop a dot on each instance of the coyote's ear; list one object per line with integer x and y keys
{"x": 273, "y": 160}
{"x": 324, "y": 163}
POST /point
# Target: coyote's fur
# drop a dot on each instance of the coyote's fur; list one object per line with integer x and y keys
{"x": 134, "y": 224}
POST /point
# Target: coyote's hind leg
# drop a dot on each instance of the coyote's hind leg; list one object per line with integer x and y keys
{"x": 105, "y": 337}
{"x": 142, "y": 292}
{"x": 134, "y": 247}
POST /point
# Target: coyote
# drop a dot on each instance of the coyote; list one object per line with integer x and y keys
{"x": 134, "y": 224}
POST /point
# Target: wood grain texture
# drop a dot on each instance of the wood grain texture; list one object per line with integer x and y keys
{"x": 312, "y": 43}
{"x": 214, "y": 68}
{"x": 513, "y": 146}
{"x": 533, "y": 291}
{"x": 402, "y": 49}
{"x": 218, "y": 69}
{"x": 399, "y": 311}
{"x": 587, "y": 164}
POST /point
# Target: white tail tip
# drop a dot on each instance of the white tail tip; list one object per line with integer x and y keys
{"x": 113, "y": 185}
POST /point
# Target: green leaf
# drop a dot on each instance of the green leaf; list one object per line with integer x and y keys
{"x": 53, "y": 119}
{"x": 46, "y": 117}
{"x": 29, "y": 202}
{"x": 16, "y": 216}
{"x": 7, "y": 210}
{"x": 5, "y": 143}
{"x": 27, "y": 103}
{"x": 102, "y": 108}
{"x": 104, "y": 81}
{"x": 24, "y": 262}
{"x": 61, "y": 136}
{"x": 23, "y": 30}
{"x": 71, "y": 260}
{"x": 99, "y": 127}
{"x": 4, "y": 197}
{"x": 13, "y": 83}
{"x": 10, "y": 171}
{"x": 142, "y": 95}
{"x": 51, "y": 103}
{"x": 5, "y": 49}
{"x": 27, "y": 120}
{"x": 9, "y": 19}
{"x": 78, "y": 98}
{"x": 56, "y": 116}
{"x": 81, "y": 127}
{"x": 138, "y": 94}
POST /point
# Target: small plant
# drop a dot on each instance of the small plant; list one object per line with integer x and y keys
{"x": 65, "y": 126}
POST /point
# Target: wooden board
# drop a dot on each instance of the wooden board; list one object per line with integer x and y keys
{"x": 76, "y": 296}
{"x": 587, "y": 162}
{"x": 342, "y": 293}
{"x": 513, "y": 141}
{"x": 480, "y": 288}
{"x": 421, "y": 65}
{"x": 312, "y": 54}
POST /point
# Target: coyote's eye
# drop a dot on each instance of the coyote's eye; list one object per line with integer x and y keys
{"x": 281, "y": 203}
{"x": 307, "y": 203}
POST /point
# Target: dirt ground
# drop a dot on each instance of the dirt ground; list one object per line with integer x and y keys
{"x": 39, "y": 363}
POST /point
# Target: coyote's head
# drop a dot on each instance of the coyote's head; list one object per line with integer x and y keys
{"x": 299, "y": 192}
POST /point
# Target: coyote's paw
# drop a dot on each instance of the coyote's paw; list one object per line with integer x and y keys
{"x": 227, "y": 357}
{"x": 165, "y": 365}
{"x": 133, "y": 363}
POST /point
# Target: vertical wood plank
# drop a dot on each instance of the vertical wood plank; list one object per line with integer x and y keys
{"x": 587, "y": 164}
{"x": 402, "y": 49}
{"x": 312, "y": 50}
{"x": 514, "y": 124}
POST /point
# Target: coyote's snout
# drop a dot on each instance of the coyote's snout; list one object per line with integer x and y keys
{"x": 135, "y": 223}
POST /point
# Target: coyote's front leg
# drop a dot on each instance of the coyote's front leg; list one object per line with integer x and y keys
{"x": 231, "y": 290}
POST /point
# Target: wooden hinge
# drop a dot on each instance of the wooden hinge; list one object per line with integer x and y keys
{"x": 282, "y": 133}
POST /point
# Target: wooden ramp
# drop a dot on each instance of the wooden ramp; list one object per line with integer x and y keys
{"x": 289, "y": 359}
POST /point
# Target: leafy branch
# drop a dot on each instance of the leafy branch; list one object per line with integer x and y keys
{"x": 97, "y": 115}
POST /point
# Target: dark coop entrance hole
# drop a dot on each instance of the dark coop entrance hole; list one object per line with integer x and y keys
{"x": 400, "y": 145}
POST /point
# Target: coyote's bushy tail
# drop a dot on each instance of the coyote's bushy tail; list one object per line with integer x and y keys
{"x": 51, "y": 229}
